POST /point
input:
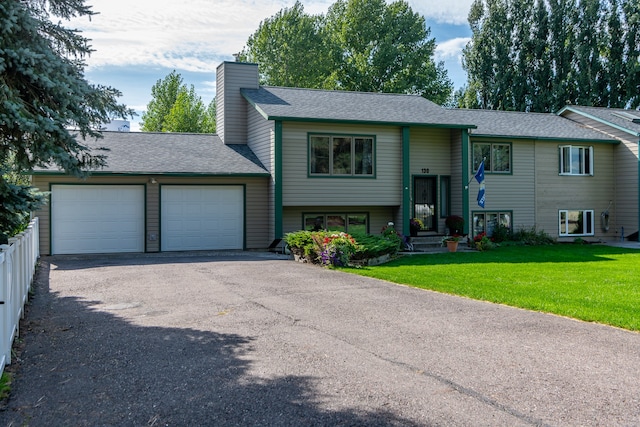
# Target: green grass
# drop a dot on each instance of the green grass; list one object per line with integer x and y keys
{"x": 594, "y": 283}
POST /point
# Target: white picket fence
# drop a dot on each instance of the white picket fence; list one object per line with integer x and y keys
{"x": 17, "y": 268}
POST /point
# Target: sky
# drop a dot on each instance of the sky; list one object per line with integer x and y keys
{"x": 139, "y": 42}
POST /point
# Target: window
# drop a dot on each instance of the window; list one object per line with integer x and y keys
{"x": 349, "y": 222}
{"x": 487, "y": 222}
{"x": 445, "y": 196}
{"x": 576, "y": 160}
{"x": 576, "y": 223}
{"x": 341, "y": 155}
{"x": 497, "y": 157}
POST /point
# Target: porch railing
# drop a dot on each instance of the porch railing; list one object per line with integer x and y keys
{"x": 17, "y": 268}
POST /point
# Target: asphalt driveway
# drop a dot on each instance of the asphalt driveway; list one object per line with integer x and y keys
{"x": 256, "y": 340}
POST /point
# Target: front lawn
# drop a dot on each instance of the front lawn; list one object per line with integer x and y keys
{"x": 594, "y": 283}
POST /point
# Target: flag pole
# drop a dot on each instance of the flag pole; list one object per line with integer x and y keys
{"x": 466, "y": 187}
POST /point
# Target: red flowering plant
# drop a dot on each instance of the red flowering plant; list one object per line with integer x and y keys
{"x": 336, "y": 248}
{"x": 482, "y": 242}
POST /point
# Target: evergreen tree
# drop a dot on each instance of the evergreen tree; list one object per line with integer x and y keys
{"x": 47, "y": 107}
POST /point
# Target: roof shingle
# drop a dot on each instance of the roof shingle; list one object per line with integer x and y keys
{"x": 172, "y": 153}
{"x": 344, "y": 106}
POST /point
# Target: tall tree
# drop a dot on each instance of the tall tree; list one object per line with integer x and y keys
{"x": 542, "y": 56}
{"x": 288, "y": 42}
{"x": 47, "y": 107}
{"x": 176, "y": 108}
{"x": 360, "y": 45}
{"x": 163, "y": 96}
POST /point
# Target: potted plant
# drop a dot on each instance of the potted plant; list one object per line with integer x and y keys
{"x": 455, "y": 224}
{"x": 451, "y": 242}
{"x": 415, "y": 225}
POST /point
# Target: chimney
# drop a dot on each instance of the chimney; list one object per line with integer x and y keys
{"x": 231, "y": 107}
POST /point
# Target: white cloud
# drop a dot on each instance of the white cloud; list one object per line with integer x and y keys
{"x": 196, "y": 35}
{"x": 450, "y": 49}
{"x": 447, "y": 12}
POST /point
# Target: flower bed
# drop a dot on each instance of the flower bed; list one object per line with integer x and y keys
{"x": 341, "y": 249}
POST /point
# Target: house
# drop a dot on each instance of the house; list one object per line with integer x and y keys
{"x": 285, "y": 159}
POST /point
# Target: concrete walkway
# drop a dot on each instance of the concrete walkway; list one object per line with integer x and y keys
{"x": 256, "y": 340}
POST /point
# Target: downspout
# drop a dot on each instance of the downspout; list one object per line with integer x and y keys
{"x": 277, "y": 173}
{"x": 406, "y": 180}
{"x": 638, "y": 223}
{"x": 465, "y": 179}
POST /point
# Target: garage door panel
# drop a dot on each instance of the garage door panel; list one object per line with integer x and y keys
{"x": 202, "y": 218}
{"x": 97, "y": 219}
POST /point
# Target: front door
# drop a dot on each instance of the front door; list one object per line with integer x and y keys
{"x": 424, "y": 201}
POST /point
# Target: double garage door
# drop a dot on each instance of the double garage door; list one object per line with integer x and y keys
{"x": 111, "y": 218}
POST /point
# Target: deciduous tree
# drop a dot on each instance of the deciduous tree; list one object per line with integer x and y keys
{"x": 176, "y": 108}
{"x": 360, "y": 45}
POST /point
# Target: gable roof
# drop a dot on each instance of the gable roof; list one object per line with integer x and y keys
{"x": 625, "y": 120}
{"x": 514, "y": 124}
{"x": 296, "y": 104}
{"x": 170, "y": 153}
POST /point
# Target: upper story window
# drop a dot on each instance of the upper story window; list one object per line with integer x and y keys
{"x": 497, "y": 157}
{"x": 341, "y": 155}
{"x": 575, "y": 160}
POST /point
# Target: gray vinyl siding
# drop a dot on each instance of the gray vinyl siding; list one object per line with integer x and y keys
{"x": 514, "y": 192}
{"x": 256, "y": 218}
{"x": 625, "y": 204}
{"x": 301, "y": 190}
{"x": 555, "y": 192}
{"x": 431, "y": 156}
{"x": 231, "y": 108}
{"x": 379, "y": 216}
{"x": 261, "y": 140}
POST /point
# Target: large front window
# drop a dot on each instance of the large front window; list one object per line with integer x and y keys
{"x": 576, "y": 160}
{"x": 496, "y": 156}
{"x": 576, "y": 223}
{"x": 331, "y": 155}
{"x": 347, "y": 222}
{"x": 488, "y": 222}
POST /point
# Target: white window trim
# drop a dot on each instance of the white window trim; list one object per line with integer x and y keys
{"x": 572, "y": 172}
{"x": 566, "y": 211}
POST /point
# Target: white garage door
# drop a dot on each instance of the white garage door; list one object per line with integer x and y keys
{"x": 202, "y": 217}
{"x": 97, "y": 219}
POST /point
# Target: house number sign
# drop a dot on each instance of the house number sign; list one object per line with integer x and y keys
{"x": 425, "y": 170}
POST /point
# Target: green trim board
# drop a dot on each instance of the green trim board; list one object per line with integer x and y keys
{"x": 466, "y": 147}
{"x": 371, "y": 122}
{"x": 538, "y": 138}
{"x": 155, "y": 174}
{"x": 278, "y": 191}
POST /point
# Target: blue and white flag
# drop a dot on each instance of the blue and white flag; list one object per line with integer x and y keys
{"x": 481, "y": 196}
{"x": 480, "y": 173}
{"x": 480, "y": 178}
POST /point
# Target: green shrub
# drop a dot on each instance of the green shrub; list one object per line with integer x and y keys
{"x": 501, "y": 234}
{"x": 532, "y": 237}
{"x": 373, "y": 246}
{"x": 302, "y": 243}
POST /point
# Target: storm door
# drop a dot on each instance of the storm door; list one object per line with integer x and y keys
{"x": 424, "y": 201}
